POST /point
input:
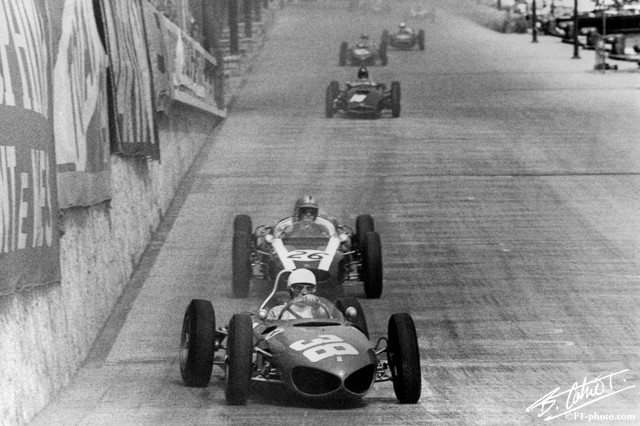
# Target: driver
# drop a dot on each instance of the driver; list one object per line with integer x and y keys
{"x": 305, "y": 212}
{"x": 363, "y": 78}
{"x": 301, "y": 286}
{"x": 402, "y": 28}
{"x": 364, "y": 42}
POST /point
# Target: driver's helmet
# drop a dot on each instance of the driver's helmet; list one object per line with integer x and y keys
{"x": 363, "y": 73}
{"x": 402, "y": 26}
{"x": 300, "y": 282}
{"x": 364, "y": 41}
{"x": 306, "y": 208}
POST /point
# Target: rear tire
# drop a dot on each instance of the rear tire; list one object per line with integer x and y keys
{"x": 241, "y": 256}
{"x": 359, "y": 321}
{"x": 344, "y": 49}
{"x": 403, "y": 355}
{"x": 384, "y": 38}
{"x": 395, "y": 99}
{"x": 372, "y": 266}
{"x": 197, "y": 343}
{"x": 332, "y": 93}
{"x": 239, "y": 359}
{"x": 421, "y": 39}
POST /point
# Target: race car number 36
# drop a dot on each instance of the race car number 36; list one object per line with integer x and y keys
{"x": 323, "y": 346}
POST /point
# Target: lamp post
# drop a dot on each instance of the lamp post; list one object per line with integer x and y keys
{"x": 534, "y": 23}
{"x": 576, "y": 55}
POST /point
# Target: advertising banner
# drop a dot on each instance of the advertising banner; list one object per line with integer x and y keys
{"x": 80, "y": 105}
{"x": 131, "y": 120}
{"x": 156, "y": 28}
{"x": 192, "y": 69}
{"x": 29, "y": 248}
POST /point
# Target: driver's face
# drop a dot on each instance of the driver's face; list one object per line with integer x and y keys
{"x": 303, "y": 289}
{"x": 307, "y": 214}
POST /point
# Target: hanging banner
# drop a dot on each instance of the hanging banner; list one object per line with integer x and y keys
{"x": 156, "y": 28}
{"x": 182, "y": 69}
{"x": 29, "y": 247}
{"x": 192, "y": 70}
{"x": 80, "y": 105}
{"x": 131, "y": 120}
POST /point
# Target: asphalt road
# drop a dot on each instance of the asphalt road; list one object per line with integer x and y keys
{"x": 506, "y": 196}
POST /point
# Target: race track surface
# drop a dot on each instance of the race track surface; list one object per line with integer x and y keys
{"x": 506, "y": 196}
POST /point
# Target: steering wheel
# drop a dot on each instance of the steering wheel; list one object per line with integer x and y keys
{"x": 292, "y": 302}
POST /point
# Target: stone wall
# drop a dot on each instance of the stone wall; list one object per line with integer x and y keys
{"x": 46, "y": 333}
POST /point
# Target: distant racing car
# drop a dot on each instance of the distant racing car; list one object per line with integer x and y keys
{"x": 324, "y": 356}
{"x": 336, "y": 252}
{"x": 363, "y": 53}
{"x": 405, "y": 38}
{"x": 362, "y": 97}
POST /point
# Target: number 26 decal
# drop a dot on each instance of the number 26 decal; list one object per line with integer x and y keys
{"x": 323, "y": 346}
{"x": 307, "y": 255}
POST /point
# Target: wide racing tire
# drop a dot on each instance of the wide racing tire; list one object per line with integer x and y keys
{"x": 395, "y": 99}
{"x": 197, "y": 343}
{"x": 372, "y": 266}
{"x": 332, "y": 93}
{"x": 239, "y": 359}
{"x": 364, "y": 224}
{"x": 403, "y": 355}
{"x": 241, "y": 256}
{"x": 421, "y": 39}
{"x": 344, "y": 50}
{"x": 360, "y": 320}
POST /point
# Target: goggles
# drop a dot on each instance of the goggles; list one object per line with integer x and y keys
{"x": 297, "y": 288}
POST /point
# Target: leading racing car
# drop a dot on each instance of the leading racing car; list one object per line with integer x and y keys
{"x": 405, "y": 38}
{"x": 362, "y": 97}
{"x": 336, "y": 252}
{"x": 326, "y": 356}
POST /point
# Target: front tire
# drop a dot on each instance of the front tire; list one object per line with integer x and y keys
{"x": 403, "y": 355}
{"x": 364, "y": 224}
{"x": 372, "y": 266}
{"x": 332, "y": 93}
{"x": 241, "y": 256}
{"x": 421, "y": 39}
{"x": 197, "y": 343}
{"x": 384, "y": 59}
{"x": 395, "y": 99}
{"x": 342, "y": 59}
{"x": 239, "y": 359}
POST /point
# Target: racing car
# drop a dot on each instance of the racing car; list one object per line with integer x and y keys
{"x": 326, "y": 356}
{"x": 363, "y": 97}
{"x": 363, "y": 53}
{"x": 336, "y": 252}
{"x": 405, "y": 38}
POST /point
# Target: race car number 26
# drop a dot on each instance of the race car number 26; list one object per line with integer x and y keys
{"x": 307, "y": 255}
{"x": 323, "y": 346}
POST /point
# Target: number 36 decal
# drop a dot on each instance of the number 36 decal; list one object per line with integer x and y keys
{"x": 307, "y": 255}
{"x": 323, "y": 346}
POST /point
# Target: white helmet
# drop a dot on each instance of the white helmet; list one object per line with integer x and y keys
{"x": 299, "y": 279}
{"x": 403, "y": 25}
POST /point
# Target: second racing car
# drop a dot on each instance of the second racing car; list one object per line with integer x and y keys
{"x": 363, "y": 53}
{"x": 337, "y": 253}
